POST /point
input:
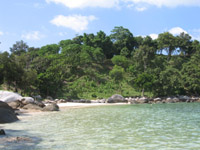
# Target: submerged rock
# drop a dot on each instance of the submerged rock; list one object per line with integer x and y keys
{"x": 2, "y": 132}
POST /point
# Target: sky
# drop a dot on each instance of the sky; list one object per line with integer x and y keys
{"x": 42, "y": 22}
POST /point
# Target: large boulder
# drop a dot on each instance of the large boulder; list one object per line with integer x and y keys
{"x": 7, "y": 96}
{"x": 27, "y": 100}
{"x": 51, "y": 107}
{"x": 5, "y": 106}
{"x": 16, "y": 104}
{"x": 7, "y": 114}
{"x": 116, "y": 99}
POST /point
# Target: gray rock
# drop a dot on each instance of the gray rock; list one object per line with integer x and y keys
{"x": 51, "y": 107}
{"x": 169, "y": 100}
{"x": 40, "y": 104}
{"x": 116, "y": 99}
{"x": 37, "y": 97}
{"x": 7, "y": 96}
{"x": 157, "y": 99}
{"x": 16, "y": 104}
{"x": 143, "y": 100}
{"x": 183, "y": 98}
{"x": 7, "y": 114}
{"x": 27, "y": 100}
{"x": 32, "y": 107}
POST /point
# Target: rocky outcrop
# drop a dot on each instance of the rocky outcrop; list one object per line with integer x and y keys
{"x": 7, "y": 114}
{"x": 116, "y": 99}
{"x": 158, "y": 100}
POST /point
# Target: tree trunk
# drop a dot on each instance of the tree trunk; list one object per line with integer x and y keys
{"x": 143, "y": 92}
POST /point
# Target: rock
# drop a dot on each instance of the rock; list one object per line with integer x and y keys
{"x": 183, "y": 98}
{"x": 2, "y": 132}
{"x": 37, "y": 97}
{"x": 158, "y": 99}
{"x": 49, "y": 98}
{"x": 7, "y": 115}
{"x": 176, "y": 100}
{"x": 32, "y": 107}
{"x": 116, "y": 99}
{"x": 5, "y": 106}
{"x": 143, "y": 100}
{"x": 40, "y": 104}
{"x": 27, "y": 100}
{"x": 16, "y": 104}
{"x": 7, "y": 96}
{"x": 51, "y": 107}
{"x": 169, "y": 100}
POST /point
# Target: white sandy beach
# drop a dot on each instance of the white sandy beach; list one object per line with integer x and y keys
{"x": 80, "y": 105}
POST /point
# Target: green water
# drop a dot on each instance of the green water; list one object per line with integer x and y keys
{"x": 140, "y": 127}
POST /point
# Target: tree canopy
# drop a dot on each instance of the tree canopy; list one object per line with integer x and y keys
{"x": 99, "y": 65}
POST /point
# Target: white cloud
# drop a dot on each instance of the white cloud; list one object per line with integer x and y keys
{"x": 140, "y": 8}
{"x": 167, "y": 3}
{"x": 77, "y": 23}
{"x": 33, "y": 35}
{"x": 153, "y": 36}
{"x": 86, "y": 3}
{"x": 176, "y": 30}
{"x": 1, "y": 33}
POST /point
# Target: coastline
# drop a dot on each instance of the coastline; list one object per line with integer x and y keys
{"x": 63, "y": 106}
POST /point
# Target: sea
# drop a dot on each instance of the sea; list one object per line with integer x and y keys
{"x": 119, "y": 127}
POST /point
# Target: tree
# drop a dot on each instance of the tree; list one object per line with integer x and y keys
{"x": 168, "y": 82}
{"x": 122, "y": 37}
{"x": 104, "y": 42}
{"x": 143, "y": 57}
{"x": 117, "y": 75}
{"x": 167, "y": 42}
{"x": 144, "y": 82}
{"x": 49, "y": 49}
{"x": 120, "y": 61}
{"x": 184, "y": 43}
{"x": 191, "y": 75}
{"x": 19, "y": 48}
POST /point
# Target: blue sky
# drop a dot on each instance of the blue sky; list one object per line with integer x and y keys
{"x": 42, "y": 22}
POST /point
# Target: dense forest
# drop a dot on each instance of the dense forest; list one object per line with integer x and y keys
{"x": 98, "y": 65}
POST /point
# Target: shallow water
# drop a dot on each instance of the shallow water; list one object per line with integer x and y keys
{"x": 140, "y": 127}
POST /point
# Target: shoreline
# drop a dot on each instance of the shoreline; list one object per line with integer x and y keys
{"x": 23, "y": 113}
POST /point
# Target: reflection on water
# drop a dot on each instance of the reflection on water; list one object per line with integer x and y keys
{"x": 149, "y": 127}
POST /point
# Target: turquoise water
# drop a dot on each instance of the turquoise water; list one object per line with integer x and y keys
{"x": 134, "y": 127}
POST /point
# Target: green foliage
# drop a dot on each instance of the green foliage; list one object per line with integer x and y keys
{"x": 120, "y": 61}
{"x": 144, "y": 82}
{"x": 19, "y": 48}
{"x": 117, "y": 73}
{"x": 96, "y": 66}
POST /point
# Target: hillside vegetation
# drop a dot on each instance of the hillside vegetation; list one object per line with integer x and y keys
{"x": 97, "y": 65}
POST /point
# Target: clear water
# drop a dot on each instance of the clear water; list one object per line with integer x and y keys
{"x": 131, "y": 127}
